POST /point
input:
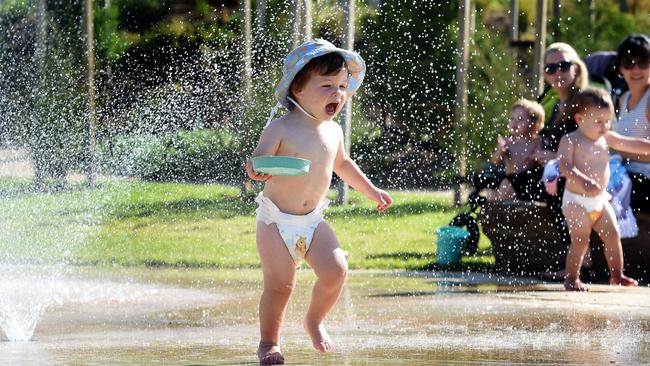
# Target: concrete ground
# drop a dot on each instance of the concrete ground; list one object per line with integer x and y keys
{"x": 206, "y": 317}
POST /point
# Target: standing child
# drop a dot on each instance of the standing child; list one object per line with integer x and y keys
{"x": 516, "y": 151}
{"x": 584, "y": 161}
{"x": 318, "y": 79}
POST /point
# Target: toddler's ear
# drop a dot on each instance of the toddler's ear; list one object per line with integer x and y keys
{"x": 578, "y": 117}
{"x": 297, "y": 92}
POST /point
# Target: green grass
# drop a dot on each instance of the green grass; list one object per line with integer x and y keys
{"x": 174, "y": 224}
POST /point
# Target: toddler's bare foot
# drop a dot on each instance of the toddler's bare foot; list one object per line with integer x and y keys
{"x": 319, "y": 337}
{"x": 576, "y": 285}
{"x": 269, "y": 354}
{"x": 623, "y": 281}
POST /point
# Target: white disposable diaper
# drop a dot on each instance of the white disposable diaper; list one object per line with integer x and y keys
{"x": 297, "y": 231}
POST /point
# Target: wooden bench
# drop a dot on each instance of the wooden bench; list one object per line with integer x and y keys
{"x": 525, "y": 241}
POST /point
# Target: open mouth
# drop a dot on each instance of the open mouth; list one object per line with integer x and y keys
{"x": 330, "y": 108}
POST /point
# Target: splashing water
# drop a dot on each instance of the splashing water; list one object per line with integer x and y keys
{"x": 26, "y": 292}
{"x": 40, "y": 235}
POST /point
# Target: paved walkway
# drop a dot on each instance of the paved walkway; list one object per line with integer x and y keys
{"x": 15, "y": 162}
{"x": 181, "y": 317}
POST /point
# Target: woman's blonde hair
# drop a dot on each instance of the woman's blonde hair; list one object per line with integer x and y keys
{"x": 535, "y": 111}
{"x": 582, "y": 75}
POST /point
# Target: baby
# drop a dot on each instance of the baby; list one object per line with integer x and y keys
{"x": 583, "y": 159}
{"x": 318, "y": 79}
{"x": 523, "y": 173}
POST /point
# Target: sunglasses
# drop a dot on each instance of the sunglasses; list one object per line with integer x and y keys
{"x": 563, "y": 66}
{"x": 630, "y": 63}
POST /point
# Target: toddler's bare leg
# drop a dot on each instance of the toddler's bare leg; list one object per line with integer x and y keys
{"x": 329, "y": 263}
{"x": 579, "y": 230}
{"x": 279, "y": 280}
{"x": 607, "y": 228}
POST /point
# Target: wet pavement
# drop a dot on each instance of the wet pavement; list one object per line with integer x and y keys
{"x": 207, "y": 317}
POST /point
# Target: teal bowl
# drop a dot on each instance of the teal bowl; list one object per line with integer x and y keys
{"x": 281, "y": 165}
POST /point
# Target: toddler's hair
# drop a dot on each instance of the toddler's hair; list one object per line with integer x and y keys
{"x": 591, "y": 97}
{"x": 535, "y": 111}
{"x": 328, "y": 64}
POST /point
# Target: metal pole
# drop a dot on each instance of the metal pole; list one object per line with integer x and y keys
{"x": 92, "y": 115}
{"x": 514, "y": 21}
{"x": 557, "y": 5}
{"x": 41, "y": 36}
{"x": 260, "y": 17}
{"x": 246, "y": 79}
{"x": 297, "y": 23}
{"x": 513, "y": 32}
{"x": 464, "y": 19}
{"x": 592, "y": 15}
{"x": 540, "y": 47}
{"x": 308, "y": 20}
{"x": 248, "y": 67}
{"x": 346, "y": 117}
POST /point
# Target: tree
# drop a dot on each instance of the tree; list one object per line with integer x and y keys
{"x": 410, "y": 49}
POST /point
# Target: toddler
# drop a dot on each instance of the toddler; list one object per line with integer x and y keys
{"x": 583, "y": 159}
{"x": 318, "y": 79}
{"x": 516, "y": 151}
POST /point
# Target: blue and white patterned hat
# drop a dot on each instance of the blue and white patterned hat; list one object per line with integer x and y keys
{"x": 299, "y": 57}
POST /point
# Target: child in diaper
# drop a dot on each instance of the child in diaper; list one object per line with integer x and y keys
{"x": 583, "y": 159}
{"x": 318, "y": 78}
{"x": 516, "y": 152}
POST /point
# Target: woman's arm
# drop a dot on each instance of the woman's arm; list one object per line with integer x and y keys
{"x": 629, "y": 147}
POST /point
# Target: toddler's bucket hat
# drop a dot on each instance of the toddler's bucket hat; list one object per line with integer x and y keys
{"x": 301, "y": 55}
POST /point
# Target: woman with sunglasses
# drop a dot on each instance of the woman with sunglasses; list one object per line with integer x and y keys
{"x": 566, "y": 74}
{"x": 633, "y": 60}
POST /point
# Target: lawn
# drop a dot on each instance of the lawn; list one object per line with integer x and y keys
{"x": 206, "y": 225}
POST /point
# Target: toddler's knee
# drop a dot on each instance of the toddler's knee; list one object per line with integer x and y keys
{"x": 611, "y": 236}
{"x": 338, "y": 274}
{"x": 281, "y": 289}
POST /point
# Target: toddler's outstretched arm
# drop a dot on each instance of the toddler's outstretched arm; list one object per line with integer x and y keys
{"x": 500, "y": 151}
{"x": 349, "y": 171}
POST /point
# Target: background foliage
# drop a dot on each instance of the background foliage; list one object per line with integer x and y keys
{"x": 168, "y": 67}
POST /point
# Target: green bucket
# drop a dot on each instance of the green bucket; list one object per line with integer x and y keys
{"x": 450, "y": 244}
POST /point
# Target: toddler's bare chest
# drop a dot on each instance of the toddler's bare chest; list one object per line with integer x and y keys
{"x": 594, "y": 155}
{"x": 316, "y": 148}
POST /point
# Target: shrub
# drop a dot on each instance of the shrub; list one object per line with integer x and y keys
{"x": 203, "y": 155}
